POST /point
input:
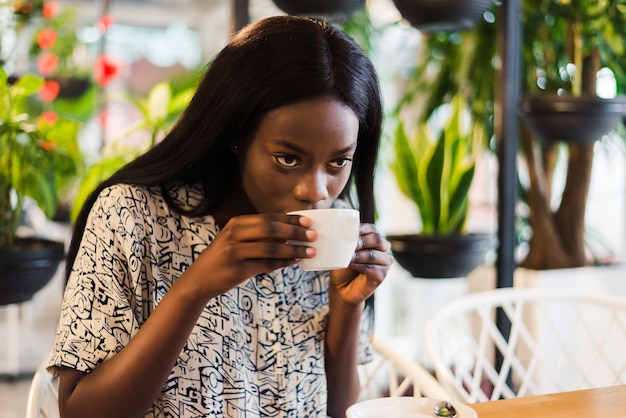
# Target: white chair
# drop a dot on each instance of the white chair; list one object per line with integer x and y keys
{"x": 43, "y": 394}
{"x": 393, "y": 374}
{"x": 558, "y": 341}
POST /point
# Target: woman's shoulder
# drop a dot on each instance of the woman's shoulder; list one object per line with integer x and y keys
{"x": 150, "y": 200}
{"x": 128, "y": 195}
{"x": 125, "y": 190}
{"x": 182, "y": 194}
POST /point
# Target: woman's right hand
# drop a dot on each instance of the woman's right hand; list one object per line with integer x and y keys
{"x": 252, "y": 244}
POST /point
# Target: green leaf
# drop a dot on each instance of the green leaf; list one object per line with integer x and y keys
{"x": 27, "y": 85}
{"x": 41, "y": 186}
{"x": 404, "y": 167}
{"x": 158, "y": 103}
{"x": 445, "y": 168}
{"x": 459, "y": 199}
{"x": 437, "y": 175}
{"x": 180, "y": 102}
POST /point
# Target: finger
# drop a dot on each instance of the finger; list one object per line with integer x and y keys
{"x": 280, "y": 227}
{"x": 375, "y": 274}
{"x": 366, "y": 256}
{"x": 372, "y": 257}
{"x": 270, "y": 250}
{"x": 366, "y": 228}
{"x": 373, "y": 239}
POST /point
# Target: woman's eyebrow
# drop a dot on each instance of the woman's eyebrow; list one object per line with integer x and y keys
{"x": 300, "y": 150}
{"x": 290, "y": 145}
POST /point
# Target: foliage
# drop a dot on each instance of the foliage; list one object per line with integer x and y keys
{"x": 56, "y": 36}
{"x": 38, "y": 154}
{"x": 563, "y": 42}
{"x": 567, "y": 43}
{"x": 436, "y": 172}
{"x": 560, "y": 34}
{"x": 159, "y": 111}
{"x": 359, "y": 27}
{"x": 74, "y": 69}
{"x": 451, "y": 70}
{"x": 454, "y": 63}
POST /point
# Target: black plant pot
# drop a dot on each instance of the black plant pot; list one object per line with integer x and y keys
{"x": 442, "y": 15}
{"x": 331, "y": 9}
{"x": 27, "y": 267}
{"x": 72, "y": 87}
{"x": 440, "y": 257}
{"x": 583, "y": 119}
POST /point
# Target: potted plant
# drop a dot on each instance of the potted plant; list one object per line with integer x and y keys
{"x": 38, "y": 155}
{"x": 435, "y": 171}
{"x": 454, "y": 69}
{"x": 566, "y": 45}
{"x": 59, "y": 53}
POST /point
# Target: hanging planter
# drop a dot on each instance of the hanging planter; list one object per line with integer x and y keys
{"x": 439, "y": 257}
{"x": 578, "y": 119}
{"x": 329, "y": 9}
{"x": 27, "y": 267}
{"x": 442, "y": 15}
{"x": 436, "y": 171}
{"x": 72, "y": 87}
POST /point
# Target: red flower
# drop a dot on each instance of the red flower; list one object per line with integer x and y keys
{"x": 46, "y": 38}
{"x": 48, "y": 145}
{"x": 49, "y": 117}
{"x": 105, "y": 22}
{"x": 106, "y": 70}
{"x": 47, "y": 63}
{"x": 50, "y": 9}
{"x": 49, "y": 91}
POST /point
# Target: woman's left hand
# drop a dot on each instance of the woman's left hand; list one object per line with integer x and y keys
{"x": 371, "y": 261}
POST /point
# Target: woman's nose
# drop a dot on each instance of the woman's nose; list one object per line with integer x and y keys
{"x": 312, "y": 188}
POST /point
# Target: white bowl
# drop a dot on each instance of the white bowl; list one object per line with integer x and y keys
{"x": 404, "y": 407}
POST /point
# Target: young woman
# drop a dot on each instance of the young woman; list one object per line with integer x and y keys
{"x": 184, "y": 298}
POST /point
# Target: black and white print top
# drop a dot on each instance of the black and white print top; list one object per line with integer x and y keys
{"x": 255, "y": 351}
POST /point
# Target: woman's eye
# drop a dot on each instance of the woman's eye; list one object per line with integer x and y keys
{"x": 341, "y": 162}
{"x": 286, "y": 160}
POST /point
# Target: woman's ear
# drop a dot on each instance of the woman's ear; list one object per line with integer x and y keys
{"x": 234, "y": 147}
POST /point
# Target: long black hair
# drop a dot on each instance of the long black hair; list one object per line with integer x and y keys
{"x": 271, "y": 63}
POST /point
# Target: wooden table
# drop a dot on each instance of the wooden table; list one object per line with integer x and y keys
{"x": 609, "y": 402}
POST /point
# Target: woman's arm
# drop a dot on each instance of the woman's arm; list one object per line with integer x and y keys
{"x": 128, "y": 383}
{"x": 341, "y": 357}
{"x": 348, "y": 290}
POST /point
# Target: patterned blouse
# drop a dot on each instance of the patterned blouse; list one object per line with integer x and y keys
{"x": 255, "y": 351}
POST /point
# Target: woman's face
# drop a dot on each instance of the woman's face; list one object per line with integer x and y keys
{"x": 300, "y": 156}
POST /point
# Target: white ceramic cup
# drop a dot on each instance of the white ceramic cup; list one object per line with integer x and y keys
{"x": 338, "y": 233}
